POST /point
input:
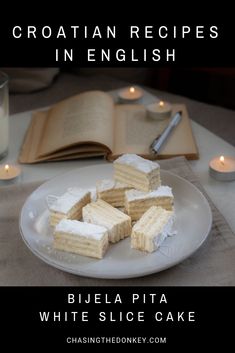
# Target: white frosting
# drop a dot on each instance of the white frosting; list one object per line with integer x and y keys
{"x": 77, "y": 191}
{"x": 83, "y": 229}
{"x": 93, "y": 194}
{"x": 65, "y": 202}
{"x": 51, "y": 199}
{"x": 162, "y": 191}
{"x": 137, "y": 162}
{"x": 109, "y": 184}
{"x": 166, "y": 231}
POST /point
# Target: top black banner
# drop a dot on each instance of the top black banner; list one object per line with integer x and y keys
{"x": 150, "y": 44}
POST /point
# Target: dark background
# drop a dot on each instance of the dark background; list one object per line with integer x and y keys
{"x": 213, "y": 307}
{"x": 204, "y": 68}
{"x": 210, "y": 85}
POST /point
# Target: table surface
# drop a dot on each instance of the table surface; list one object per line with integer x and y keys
{"x": 209, "y": 145}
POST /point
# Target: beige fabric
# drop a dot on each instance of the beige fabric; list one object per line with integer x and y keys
{"x": 213, "y": 264}
{"x": 22, "y": 80}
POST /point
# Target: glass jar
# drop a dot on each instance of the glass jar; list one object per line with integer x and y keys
{"x": 4, "y": 115}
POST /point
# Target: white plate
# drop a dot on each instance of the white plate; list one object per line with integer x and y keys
{"x": 193, "y": 223}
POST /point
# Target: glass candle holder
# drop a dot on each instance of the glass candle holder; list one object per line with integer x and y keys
{"x": 4, "y": 115}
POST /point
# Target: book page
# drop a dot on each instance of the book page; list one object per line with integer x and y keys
{"x": 33, "y": 137}
{"x": 133, "y": 130}
{"x": 134, "y": 133}
{"x": 85, "y": 118}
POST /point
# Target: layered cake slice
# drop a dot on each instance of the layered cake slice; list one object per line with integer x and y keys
{"x": 138, "y": 202}
{"x": 151, "y": 229}
{"x": 69, "y": 205}
{"x": 101, "y": 213}
{"x": 137, "y": 172}
{"x": 81, "y": 238}
{"x": 111, "y": 191}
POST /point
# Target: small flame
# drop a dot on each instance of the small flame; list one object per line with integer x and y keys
{"x": 161, "y": 104}
{"x": 7, "y": 168}
{"x": 132, "y": 89}
{"x": 222, "y": 160}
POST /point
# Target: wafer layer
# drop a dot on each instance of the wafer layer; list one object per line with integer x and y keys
{"x": 112, "y": 192}
{"x": 151, "y": 229}
{"x": 138, "y": 202}
{"x": 69, "y": 205}
{"x": 101, "y": 213}
{"x": 81, "y": 238}
{"x": 137, "y": 172}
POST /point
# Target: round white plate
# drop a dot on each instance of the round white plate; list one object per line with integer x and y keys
{"x": 193, "y": 224}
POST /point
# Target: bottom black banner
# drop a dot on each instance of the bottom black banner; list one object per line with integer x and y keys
{"x": 105, "y": 318}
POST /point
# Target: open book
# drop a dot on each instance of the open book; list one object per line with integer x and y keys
{"x": 90, "y": 124}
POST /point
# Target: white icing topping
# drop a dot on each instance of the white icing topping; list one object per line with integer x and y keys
{"x": 83, "y": 229}
{"x": 93, "y": 194}
{"x": 65, "y": 202}
{"x": 109, "y": 184}
{"x": 137, "y": 162}
{"x": 77, "y": 191}
{"x": 162, "y": 191}
{"x": 166, "y": 231}
{"x": 51, "y": 199}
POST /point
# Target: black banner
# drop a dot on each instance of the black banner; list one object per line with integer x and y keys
{"x": 80, "y": 43}
{"x": 109, "y": 317}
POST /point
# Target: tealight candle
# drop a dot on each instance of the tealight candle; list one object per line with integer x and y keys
{"x": 160, "y": 110}
{"x": 222, "y": 168}
{"x": 130, "y": 94}
{"x": 8, "y": 173}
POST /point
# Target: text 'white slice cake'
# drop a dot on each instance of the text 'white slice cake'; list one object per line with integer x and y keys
{"x": 151, "y": 229}
{"x": 138, "y": 202}
{"x": 69, "y": 205}
{"x": 81, "y": 238}
{"x": 111, "y": 191}
{"x": 103, "y": 214}
{"x": 137, "y": 172}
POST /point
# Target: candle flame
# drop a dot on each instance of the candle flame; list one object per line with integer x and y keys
{"x": 222, "y": 160}
{"x": 7, "y": 168}
{"x": 161, "y": 104}
{"x": 132, "y": 89}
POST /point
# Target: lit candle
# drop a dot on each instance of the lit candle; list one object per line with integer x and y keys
{"x": 221, "y": 159}
{"x": 9, "y": 172}
{"x": 222, "y": 168}
{"x": 130, "y": 94}
{"x": 160, "y": 110}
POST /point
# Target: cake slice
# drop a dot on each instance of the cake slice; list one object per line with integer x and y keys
{"x": 137, "y": 172}
{"x": 69, "y": 205}
{"x": 101, "y": 213}
{"x": 151, "y": 229}
{"x": 81, "y": 238}
{"x": 111, "y": 191}
{"x": 138, "y": 202}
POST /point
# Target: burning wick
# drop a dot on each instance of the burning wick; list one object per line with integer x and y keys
{"x": 132, "y": 90}
{"x": 9, "y": 172}
{"x": 222, "y": 160}
{"x": 161, "y": 104}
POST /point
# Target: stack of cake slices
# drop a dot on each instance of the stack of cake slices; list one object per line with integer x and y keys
{"x": 133, "y": 204}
